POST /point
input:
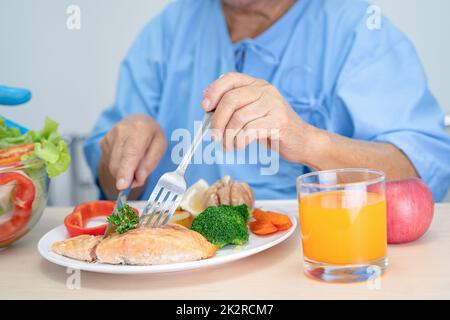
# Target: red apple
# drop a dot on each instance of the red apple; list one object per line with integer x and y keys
{"x": 410, "y": 208}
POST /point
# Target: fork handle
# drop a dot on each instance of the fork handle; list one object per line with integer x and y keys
{"x": 206, "y": 124}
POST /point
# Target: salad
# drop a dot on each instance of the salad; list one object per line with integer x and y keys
{"x": 45, "y": 144}
{"x": 26, "y": 160}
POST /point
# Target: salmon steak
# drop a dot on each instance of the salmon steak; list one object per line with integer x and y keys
{"x": 79, "y": 248}
{"x": 171, "y": 243}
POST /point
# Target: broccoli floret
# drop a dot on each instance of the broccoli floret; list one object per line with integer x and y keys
{"x": 243, "y": 210}
{"x": 223, "y": 225}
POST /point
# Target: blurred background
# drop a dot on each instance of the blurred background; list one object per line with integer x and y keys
{"x": 73, "y": 73}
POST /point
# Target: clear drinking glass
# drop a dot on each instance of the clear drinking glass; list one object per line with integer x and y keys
{"x": 343, "y": 224}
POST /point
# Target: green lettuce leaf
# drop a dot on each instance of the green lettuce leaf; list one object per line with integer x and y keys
{"x": 56, "y": 156}
{"x": 6, "y": 132}
{"x": 48, "y": 145}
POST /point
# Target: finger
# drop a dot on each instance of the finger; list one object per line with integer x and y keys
{"x": 241, "y": 117}
{"x": 229, "y": 81}
{"x": 232, "y": 101}
{"x": 228, "y": 139}
{"x": 260, "y": 129}
{"x": 105, "y": 148}
{"x": 132, "y": 152}
{"x": 153, "y": 155}
{"x": 115, "y": 146}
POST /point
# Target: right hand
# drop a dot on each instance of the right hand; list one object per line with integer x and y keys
{"x": 132, "y": 149}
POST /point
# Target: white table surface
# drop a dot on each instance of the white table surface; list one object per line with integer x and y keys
{"x": 420, "y": 270}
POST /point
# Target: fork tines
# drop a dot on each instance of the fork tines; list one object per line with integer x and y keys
{"x": 162, "y": 203}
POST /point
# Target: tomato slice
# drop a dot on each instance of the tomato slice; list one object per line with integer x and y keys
{"x": 77, "y": 220}
{"x": 22, "y": 197}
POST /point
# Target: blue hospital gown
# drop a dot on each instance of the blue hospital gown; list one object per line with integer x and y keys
{"x": 335, "y": 72}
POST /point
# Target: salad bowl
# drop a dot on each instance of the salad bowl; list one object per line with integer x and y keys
{"x": 23, "y": 197}
{"x": 28, "y": 159}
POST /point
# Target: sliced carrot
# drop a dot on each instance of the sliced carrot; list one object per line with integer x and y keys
{"x": 8, "y": 160}
{"x": 281, "y": 221}
{"x": 286, "y": 226}
{"x": 262, "y": 228}
{"x": 15, "y": 153}
{"x": 259, "y": 214}
{"x": 20, "y": 149}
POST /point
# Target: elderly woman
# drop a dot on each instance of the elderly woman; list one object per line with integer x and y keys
{"x": 337, "y": 92}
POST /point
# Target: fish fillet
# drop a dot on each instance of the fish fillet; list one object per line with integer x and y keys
{"x": 79, "y": 248}
{"x": 151, "y": 246}
{"x": 143, "y": 246}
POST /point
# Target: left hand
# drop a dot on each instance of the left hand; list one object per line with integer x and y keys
{"x": 249, "y": 109}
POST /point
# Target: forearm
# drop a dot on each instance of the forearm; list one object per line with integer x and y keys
{"x": 331, "y": 151}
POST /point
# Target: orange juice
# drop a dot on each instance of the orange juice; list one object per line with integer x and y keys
{"x": 343, "y": 227}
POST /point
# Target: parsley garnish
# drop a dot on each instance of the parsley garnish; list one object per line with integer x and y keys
{"x": 126, "y": 221}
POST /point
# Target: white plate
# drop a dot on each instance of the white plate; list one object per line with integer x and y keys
{"x": 227, "y": 254}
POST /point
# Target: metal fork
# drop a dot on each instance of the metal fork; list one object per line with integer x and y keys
{"x": 169, "y": 190}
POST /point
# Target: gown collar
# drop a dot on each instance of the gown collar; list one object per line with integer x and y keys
{"x": 270, "y": 44}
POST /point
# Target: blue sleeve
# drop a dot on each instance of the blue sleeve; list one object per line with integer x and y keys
{"x": 138, "y": 90}
{"x": 384, "y": 89}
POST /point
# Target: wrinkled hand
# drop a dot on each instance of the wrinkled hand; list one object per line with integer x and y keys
{"x": 132, "y": 150}
{"x": 249, "y": 109}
